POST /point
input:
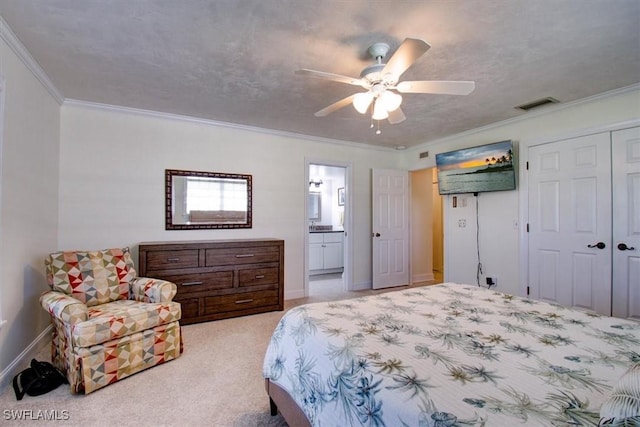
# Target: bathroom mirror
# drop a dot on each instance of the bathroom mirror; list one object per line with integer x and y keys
{"x": 314, "y": 206}
{"x": 206, "y": 200}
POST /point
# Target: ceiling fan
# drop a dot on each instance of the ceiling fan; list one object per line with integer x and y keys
{"x": 381, "y": 82}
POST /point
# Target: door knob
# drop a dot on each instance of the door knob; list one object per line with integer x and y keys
{"x": 599, "y": 245}
{"x": 624, "y": 247}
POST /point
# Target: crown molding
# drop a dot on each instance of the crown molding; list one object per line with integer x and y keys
{"x": 552, "y": 109}
{"x": 207, "y": 122}
{"x": 7, "y": 34}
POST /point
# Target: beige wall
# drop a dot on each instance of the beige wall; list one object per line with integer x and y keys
{"x": 438, "y": 231}
{"x": 29, "y": 206}
{"x": 421, "y": 226}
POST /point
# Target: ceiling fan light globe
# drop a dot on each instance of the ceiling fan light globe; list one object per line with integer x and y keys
{"x": 361, "y": 101}
{"x": 390, "y": 100}
{"x": 379, "y": 111}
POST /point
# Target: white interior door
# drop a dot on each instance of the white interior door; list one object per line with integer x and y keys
{"x": 570, "y": 222}
{"x": 390, "y": 238}
{"x": 626, "y": 225}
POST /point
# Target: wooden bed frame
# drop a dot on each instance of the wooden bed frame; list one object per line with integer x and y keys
{"x": 280, "y": 400}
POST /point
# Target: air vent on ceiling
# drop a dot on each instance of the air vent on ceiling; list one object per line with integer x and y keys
{"x": 424, "y": 154}
{"x": 538, "y": 103}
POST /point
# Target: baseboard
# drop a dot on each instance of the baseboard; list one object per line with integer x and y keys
{"x": 425, "y": 277}
{"x": 23, "y": 358}
{"x": 294, "y": 294}
{"x": 361, "y": 286}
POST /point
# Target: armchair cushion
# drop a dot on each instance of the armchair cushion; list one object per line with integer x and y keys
{"x": 121, "y": 318}
{"x": 93, "y": 277}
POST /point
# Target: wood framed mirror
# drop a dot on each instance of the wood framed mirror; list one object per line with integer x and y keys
{"x": 197, "y": 200}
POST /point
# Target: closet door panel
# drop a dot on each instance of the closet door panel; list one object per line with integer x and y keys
{"x": 626, "y": 226}
{"x": 569, "y": 215}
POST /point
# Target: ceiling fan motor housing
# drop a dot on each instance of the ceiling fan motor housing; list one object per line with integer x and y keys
{"x": 379, "y": 50}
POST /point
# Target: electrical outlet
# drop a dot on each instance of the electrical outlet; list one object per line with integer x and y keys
{"x": 492, "y": 281}
{"x": 462, "y": 223}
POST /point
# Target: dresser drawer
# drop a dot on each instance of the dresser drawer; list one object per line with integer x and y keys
{"x": 172, "y": 259}
{"x": 240, "y": 301}
{"x": 236, "y": 256}
{"x": 189, "y": 307}
{"x": 201, "y": 282}
{"x": 258, "y": 276}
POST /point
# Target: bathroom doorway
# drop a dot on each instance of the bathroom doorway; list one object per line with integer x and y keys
{"x": 327, "y": 242}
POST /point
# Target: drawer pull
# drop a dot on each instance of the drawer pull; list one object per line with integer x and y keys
{"x": 244, "y": 255}
{"x": 244, "y": 301}
{"x": 173, "y": 259}
{"x": 260, "y": 276}
{"x": 191, "y": 283}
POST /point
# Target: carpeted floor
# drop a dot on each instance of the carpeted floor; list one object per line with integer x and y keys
{"x": 216, "y": 382}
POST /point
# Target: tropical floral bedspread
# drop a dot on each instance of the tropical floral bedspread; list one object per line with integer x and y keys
{"x": 449, "y": 355}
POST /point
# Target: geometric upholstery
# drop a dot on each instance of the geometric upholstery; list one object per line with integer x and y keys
{"x": 108, "y": 323}
{"x": 121, "y": 318}
{"x": 95, "y": 277}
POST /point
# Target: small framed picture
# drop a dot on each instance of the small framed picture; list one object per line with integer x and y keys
{"x": 341, "y": 196}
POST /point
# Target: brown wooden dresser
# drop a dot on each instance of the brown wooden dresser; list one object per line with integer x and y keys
{"x": 218, "y": 279}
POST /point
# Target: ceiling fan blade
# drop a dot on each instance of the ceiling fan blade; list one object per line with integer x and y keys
{"x": 439, "y": 87}
{"x": 408, "y": 52}
{"x": 396, "y": 116}
{"x": 330, "y": 76}
{"x": 335, "y": 106}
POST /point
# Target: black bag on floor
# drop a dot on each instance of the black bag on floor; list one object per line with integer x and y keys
{"x": 40, "y": 378}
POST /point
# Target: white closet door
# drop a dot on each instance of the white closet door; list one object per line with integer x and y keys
{"x": 390, "y": 216}
{"x": 570, "y": 222}
{"x": 626, "y": 224}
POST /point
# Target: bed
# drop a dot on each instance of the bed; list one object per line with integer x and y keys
{"x": 446, "y": 355}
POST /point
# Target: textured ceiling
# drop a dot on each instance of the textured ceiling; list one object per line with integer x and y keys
{"x": 234, "y": 61}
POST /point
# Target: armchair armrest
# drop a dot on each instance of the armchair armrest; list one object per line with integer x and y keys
{"x": 64, "y": 307}
{"x": 145, "y": 289}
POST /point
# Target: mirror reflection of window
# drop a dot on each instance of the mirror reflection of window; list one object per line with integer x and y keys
{"x": 215, "y": 194}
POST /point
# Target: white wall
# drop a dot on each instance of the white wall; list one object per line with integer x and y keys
{"x": 112, "y": 166}
{"x": 499, "y": 238}
{"x": 29, "y": 206}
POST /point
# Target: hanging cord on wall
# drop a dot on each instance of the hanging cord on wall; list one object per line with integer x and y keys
{"x": 479, "y": 269}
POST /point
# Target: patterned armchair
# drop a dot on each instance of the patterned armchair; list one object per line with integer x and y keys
{"x": 108, "y": 323}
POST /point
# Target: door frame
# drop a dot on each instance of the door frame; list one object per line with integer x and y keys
{"x": 348, "y": 221}
{"x": 523, "y": 184}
